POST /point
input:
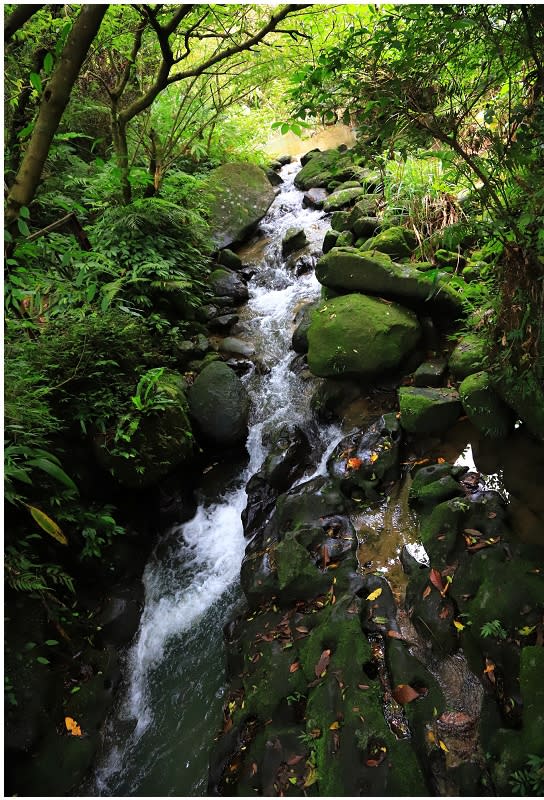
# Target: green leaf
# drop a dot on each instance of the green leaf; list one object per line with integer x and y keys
{"x": 48, "y": 63}
{"x": 26, "y": 130}
{"x": 42, "y": 660}
{"x": 24, "y": 212}
{"x": 51, "y": 642}
{"x": 24, "y": 230}
{"x": 285, "y": 128}
{"x": 75, "y": 689}
{"x": 36, "y": 81}
{"x": 55, "y": 472}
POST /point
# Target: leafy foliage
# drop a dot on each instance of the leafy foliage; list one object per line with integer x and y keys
{"x": 529, "y": 782}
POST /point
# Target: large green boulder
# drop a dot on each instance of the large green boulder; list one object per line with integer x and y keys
{"x": 324, "y": 168}
{"x": 468, "y": 356}
{"x": 241, "y": 195}
{"x": 343, "y": 198}
{"x": 219, "y": 405}
{"x": 397, "y": 242}
{"x": 360, "y": 336}
{"x": 526, "y": 398}
{"x": 484, "y": 407}
{"x": 428, "y": 411}
{"x": 161, "y": 441}
{"x": 349, "y": 269}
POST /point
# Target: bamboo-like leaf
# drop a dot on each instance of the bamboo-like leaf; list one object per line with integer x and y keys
{"x": 55, "y": 472}
{"x": 47, "y": 524}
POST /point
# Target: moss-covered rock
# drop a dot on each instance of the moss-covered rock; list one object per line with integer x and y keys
{"x": 469, "y": 356}
{"x": 358, "y": 335}
{"x": 430, "y": 373}
{"x": 324, "y": 167}
{"x": 340, "y": 221}
{"x": 364, "y": 227}
{"x": 526, "y": 398}
{"x": 331, "y": 237}
{"x": 483, "y": 406}
{"x": 364, "y": 207}
{"x": 398, "y": 242}
{"x": 219, "y": 405}
{"x": 428, "y": 411}
{"x": 345, "y": 239}
{"x": 349, "y": 269}
{"x": 449, "y": 259}
{"x": 294, "y": 239}
{"x": 343, "y": 198}
{"x": 228, "y": 287}
{"x": 242, "y": 194}
{"x": 163, "y": 438}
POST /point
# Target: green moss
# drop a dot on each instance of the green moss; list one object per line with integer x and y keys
{"x": 358, "y": 335}
{"x": 342, "y": 198}
{"x": 393, "y": 241}
{"x": 468, "y": 356}
{"x": 324, "y": 168}
{"x": 241, "y": 195}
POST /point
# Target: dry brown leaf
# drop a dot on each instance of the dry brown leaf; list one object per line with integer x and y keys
{"x": 436, "y": 579}
{"x": 395, "y": 635}
{"x": 426, "y": 592}
{"x": 294, "y": 666}
{"x": 404, "y": 693}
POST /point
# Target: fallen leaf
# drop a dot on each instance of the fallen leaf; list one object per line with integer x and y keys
{"x": 404, "y": 693}
{"x": 294, "y": 760}
{"x": 72, "y": 726}
{"x": 363, "y": 686}
{"x": 375, "y": 594}
{"x": 323, "y": 663}
{"x": 311, "y": 778}
{"x": 436, "y": 579}
{"x": 490, "y": 670}
{"x": 395, "y": 635}
{"x": 315, "y": 733}
{"x": 371, "y": 762}
{"x": 254, "y": 768}
{"x": 293, "y": 779}
{"x": 440, "y": 460}
{"x": 473, "y": 532}
{"x": 294, "y": 666}
{"x": 444, "y": 614}
{"x": 325, "y": 555}
{"x": 373, "y": 458}
{"x": 354, "y": 463}
{"x": 458, "y": 625}
{"x": 443, "y": 746}
{"x": 426, "y": 592}
{"x": 334, "y": 726}
{"x": 302, "y": 629}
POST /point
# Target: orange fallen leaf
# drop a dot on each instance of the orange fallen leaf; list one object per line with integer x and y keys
{"x": 334, "y": 726}
{"x": 294, "y": 666}
{"x": 426, "y": 592}
{"x": 440, "y": 460}
{"x": 404, "y": 693}
{"x": 436, "y": 579}
{"x": 72, "y": 726}
{"x": 371, "y": 762}
{"x": 325, "y": 555}
{"x": 490, "y": 670}
{"x": 354, "y": 463}
{"x": 395, "y": 635}
{"x": 323, "y": 663}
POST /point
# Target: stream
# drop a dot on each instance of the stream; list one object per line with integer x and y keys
{"x": 157, "y": 741}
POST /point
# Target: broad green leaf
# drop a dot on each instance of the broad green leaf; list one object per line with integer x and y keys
{"x": 36, "y": 81}
{"x": 47, "y": 524}
{"x": 24, "y": 212}
{"x": 42, "y": 660}
{"x": 51, "y": 642}
{"x": 55, "y": 472}
{"x": 48, "y": 63}
{"x": 24, "y": 230}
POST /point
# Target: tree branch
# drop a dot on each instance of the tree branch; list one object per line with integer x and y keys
{"x": 17, "y": 19}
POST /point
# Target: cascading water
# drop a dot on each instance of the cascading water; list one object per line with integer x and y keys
{"x": 157, "y": 742}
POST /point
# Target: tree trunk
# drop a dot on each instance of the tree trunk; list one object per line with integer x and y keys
{"x": 53, "y": 102}
{"x": 120, "y": 145}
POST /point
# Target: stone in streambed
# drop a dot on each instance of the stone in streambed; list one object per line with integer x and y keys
{"x": 398, "y": 242}
{"x": 227, "y": 258}
{"x": 484, "y": 407}
{"x": 362, "y": 336}
{"x": 294, "y": 239}
{"x": 469, "y": 356}
{"x": 228, "y": 286}
{"x": 430, "y": 373}
{"x": 242, "y": 194}
{"x": 349, "y": 269}
{"x": 314, "y": 198}
{"x": 343, "y": 198}
{"x": 321, "y": 168}
{"x": 219, "y": 405}
{"x": 428, "y": 411}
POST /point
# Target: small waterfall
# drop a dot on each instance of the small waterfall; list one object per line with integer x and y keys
{"x": 157, "y": 742}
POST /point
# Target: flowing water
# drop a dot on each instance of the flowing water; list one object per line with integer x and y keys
{"x": 158, "y": 740}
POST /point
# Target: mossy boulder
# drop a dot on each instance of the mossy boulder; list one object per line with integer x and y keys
{"x": 330, "y": 240}
{"x": 325, "y": 167}
{"x": 373, "y": 272}
{"x": 430, "y": 373}
{"x": 162, "y": 440}
{"x": 396, "y": 241}
{"x": 449, "y": 259}
{"x": 241, "y": 196}
{"x": 228, "y": 287}
{"x": 428, "y": 411}
{"x": 484, "y": 407}
{"x": 365, "y": 206}
{"x": 356, "y": 335}
{"x": 526, "y": 398}
{"x": 343, "y": 198}
{"x": 219, "y": 405}
{"x": 364, "y": 227}
{"x": 468, "y": 356}
{"x": 340, "y": 221}
{"x": 294, "y": 239}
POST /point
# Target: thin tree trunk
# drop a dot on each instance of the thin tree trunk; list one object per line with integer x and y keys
{"x": 53, "y": 102}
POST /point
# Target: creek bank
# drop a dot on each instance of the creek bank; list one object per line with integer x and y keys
{"x": 339, "y": 685}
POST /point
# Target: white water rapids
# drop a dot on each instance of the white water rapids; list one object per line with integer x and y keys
{"x": 157, "y": 741}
